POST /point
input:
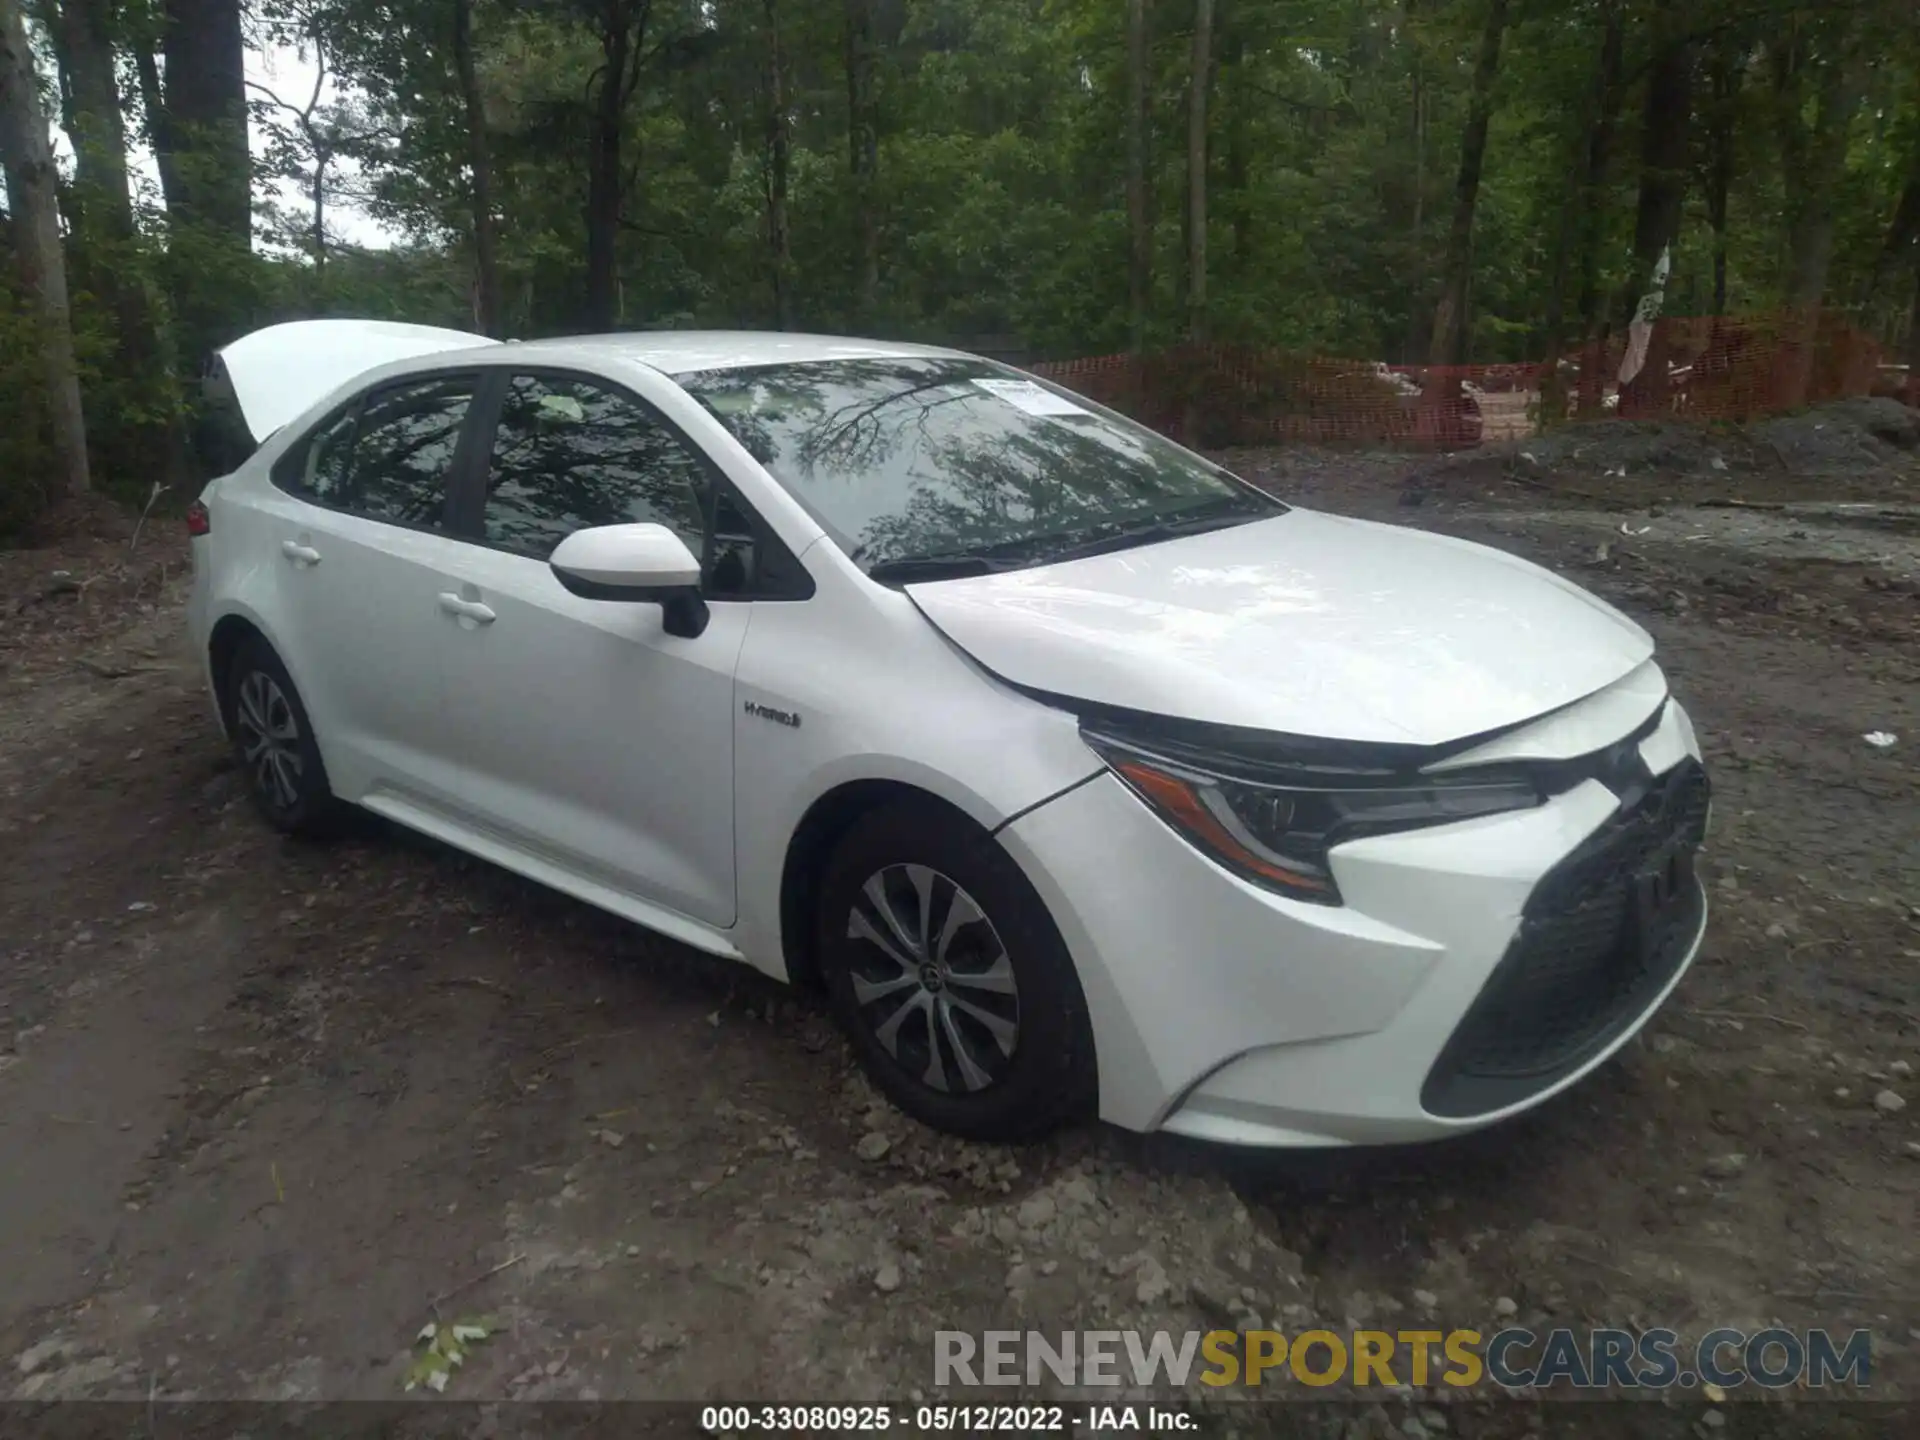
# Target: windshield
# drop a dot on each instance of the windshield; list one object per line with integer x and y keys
{"x": 908, "y": 461}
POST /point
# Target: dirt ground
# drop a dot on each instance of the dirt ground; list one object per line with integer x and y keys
{"x": 266, "y": 1108}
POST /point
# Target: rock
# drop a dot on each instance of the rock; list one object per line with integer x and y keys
{"x": 873, "y": 1146}
{"x": 1433, "y": 1419}
{"x": 1888, "y": 1102}
{"x": 1725, "y": 1167}
{"x": 1152, "y": 1281}
{"x": 1425, "y": 1299}
{"x": 1413, "y": 1429}
{"x": 1776, "y": 931}
{"x": 1900, "y": 1068}
{"x": 612, "y": 1138}
{"x": 1019, "y": 1278}
{"x": 1505, "y": 1307}
{"x": 887, "y": 1278}
{"x": 1075, "y": 1193}
{"x": 1713, "y": 1419}
{"x": 1036, "y": 1211}
{"x": 1913, "y": 1149}
{"x": 36, "y": 1356}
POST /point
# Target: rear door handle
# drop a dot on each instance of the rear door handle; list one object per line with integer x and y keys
{"x": 466, "y": 609}
{"x": 298, "y": 553}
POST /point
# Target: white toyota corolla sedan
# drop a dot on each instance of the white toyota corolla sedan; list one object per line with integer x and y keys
{"x": 1083, "y": 777}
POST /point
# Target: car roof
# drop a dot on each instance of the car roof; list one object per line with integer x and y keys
{"x": 681, "y": 352}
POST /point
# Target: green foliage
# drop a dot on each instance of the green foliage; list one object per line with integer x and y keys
{"x": 26, "y": 447}
{"x": 1333, "y": 143}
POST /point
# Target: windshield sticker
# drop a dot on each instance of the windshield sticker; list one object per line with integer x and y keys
{"x": 1029, "y": 397}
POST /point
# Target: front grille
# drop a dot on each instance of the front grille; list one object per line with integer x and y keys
{"x": 1600, "y": 935}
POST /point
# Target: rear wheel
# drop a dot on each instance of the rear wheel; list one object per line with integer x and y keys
{"x": 273, "y": 741}
{"x": 950, "y": 979}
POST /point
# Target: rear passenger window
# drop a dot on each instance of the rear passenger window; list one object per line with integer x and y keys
{"x": 327, "y": 461}
{"x": 403, "y": 450}
{"x": 387, "y": 456}
{"x": 571, "y": 454}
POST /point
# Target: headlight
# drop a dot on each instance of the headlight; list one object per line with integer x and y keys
{"x": 1276, "y": 832}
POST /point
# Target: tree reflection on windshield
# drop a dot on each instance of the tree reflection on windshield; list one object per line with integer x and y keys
{"x": 908, "y": 458}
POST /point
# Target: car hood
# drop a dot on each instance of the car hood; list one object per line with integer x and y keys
{"x": 277, "y": 373}
{"x": 1305, "y": 624}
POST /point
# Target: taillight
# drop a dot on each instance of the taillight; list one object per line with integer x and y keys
{"x": 199, "y": 522}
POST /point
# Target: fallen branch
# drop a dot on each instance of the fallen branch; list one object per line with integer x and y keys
{"x": 461, "y": 1289}
{"x": 567, "y": 1047}
{"x": 478, "y": 981}
{"x": 152, "y": 495}
{"x": 1731, "y": 504}
{"x": 1747, "y": 1015}
{"x": 116, "y": 672}
{"x": 1826, "y": 939}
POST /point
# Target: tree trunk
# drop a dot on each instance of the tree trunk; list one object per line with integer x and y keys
{"x": 106, "y": 242}
{"x": 95, "y": 125}
{"x": 1813, "y": 159}
{"x": 1665, "y": 158}
{"x": 28, "y": 162}
{"x": 210, "y": 218}
{"x": 779, "y": 247}
{"x": 1198, "y": 84}
{"x": 1417, "y": 337}
{"x": 480, "y": 170}
{"x": 1578, "y": 257}
{"x": 1233, "y": 47}
{"x": 1592, "y": 206}
{"x": 1450, "y": 315}
{"x": 322, "y": 158}
{"x": 206, "y": 104}
{"x": 1913, "y": 339}
{"x": 159, "y": 134}
{"x": 1902, "y": 232}
{"x": 863, "y": 154}
{"x": 1139, "y": 215}
{"x": 623, "y": 30}
{"x": 1725, "y": 82}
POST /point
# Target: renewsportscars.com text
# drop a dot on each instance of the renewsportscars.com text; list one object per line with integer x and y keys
{"x": 1514, "y": 1358}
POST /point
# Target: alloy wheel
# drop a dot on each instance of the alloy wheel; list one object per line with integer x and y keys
{"x": 932, "y": 979}
{"x": 269, "y": 739}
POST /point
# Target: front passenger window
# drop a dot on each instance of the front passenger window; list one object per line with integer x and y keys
{"x": 571, "y": 454}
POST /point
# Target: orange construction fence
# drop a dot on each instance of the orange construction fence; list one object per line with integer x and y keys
{"x": 1698, "y": 368}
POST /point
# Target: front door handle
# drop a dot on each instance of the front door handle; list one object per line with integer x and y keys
{"x": 466, "y": 609}
{"x": 299, "y": 554}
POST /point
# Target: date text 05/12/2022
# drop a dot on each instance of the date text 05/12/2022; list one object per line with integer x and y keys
{"x": 938, "y": 1419}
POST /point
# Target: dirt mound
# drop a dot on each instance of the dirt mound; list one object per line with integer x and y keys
{"x": 1864, "y": 449}
{"x": 1633, "y": 445}
{"x": 1844, "y": 435}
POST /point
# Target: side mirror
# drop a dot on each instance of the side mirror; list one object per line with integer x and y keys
{"x": 644, "y": 563}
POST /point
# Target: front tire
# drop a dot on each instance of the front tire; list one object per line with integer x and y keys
{"x": 273, "y": 742}
{"x": 950, "y": 979}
